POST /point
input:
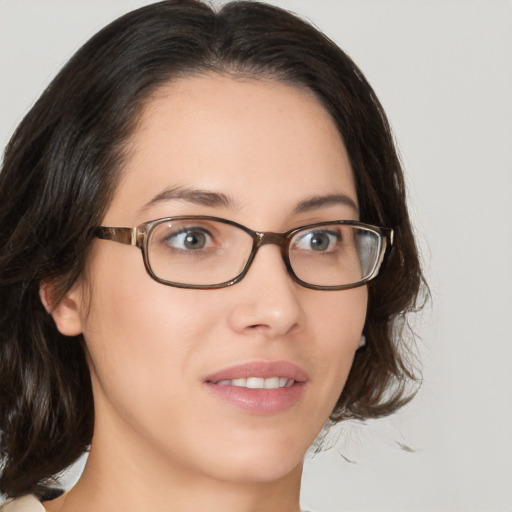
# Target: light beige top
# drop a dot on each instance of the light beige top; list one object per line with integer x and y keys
{"x": 25, "y": 504}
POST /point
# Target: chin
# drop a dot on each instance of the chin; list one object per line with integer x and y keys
{"x": 262, "y": 472}
{"x": 263, "y": 458}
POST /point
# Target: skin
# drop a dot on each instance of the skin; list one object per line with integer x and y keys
{"x": 161, "y": 440}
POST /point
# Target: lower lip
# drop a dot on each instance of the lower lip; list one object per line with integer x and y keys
{"x": 259, "y": 401}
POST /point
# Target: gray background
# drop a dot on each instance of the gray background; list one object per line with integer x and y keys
{"x": 443, "y": 70}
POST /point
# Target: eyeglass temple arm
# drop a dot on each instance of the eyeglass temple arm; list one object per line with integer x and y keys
{"x": 390, "y": 233}
{"x": 128, "y": 236}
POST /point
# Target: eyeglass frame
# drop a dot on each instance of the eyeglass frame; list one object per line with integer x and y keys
{"x": 138, "y": 236}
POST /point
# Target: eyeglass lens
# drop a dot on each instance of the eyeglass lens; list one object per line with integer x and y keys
{"x": 209, "y": 252}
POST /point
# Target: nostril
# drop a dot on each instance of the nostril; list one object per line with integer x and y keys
{"x": 257, "y": 327}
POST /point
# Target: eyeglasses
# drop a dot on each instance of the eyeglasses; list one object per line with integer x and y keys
{"x": 209, "y": 252}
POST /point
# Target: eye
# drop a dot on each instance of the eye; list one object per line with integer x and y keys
{"x": 318, "y": 240}
{"x": 189, "y": 239}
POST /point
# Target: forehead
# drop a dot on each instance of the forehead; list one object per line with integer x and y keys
{"x": 254, "y": 141}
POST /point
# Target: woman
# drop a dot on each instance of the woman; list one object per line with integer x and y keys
{"x": 247, "y": 160}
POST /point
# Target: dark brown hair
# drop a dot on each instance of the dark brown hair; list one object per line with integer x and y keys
{"x": 60, "y": 171}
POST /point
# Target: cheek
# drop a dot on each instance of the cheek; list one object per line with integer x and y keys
{"x": 339, "y": 322}
{"x": 140, "y": 334}
{"x": 338, "y": 317}
{"x": 132, "y": 309}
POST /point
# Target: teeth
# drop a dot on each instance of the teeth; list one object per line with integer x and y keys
{"x": 255, "y": 383}
{"x": 258, "y": 383}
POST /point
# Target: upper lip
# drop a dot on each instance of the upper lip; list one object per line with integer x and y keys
{"x": 262, "y": 369}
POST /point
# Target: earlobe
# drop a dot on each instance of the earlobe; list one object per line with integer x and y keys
{"x": 65, "y": 312}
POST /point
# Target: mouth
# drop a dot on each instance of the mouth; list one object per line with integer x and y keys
{"x": 259, "y": 387}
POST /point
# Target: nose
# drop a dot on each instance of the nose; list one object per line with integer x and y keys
{"x": 267, "y": 299}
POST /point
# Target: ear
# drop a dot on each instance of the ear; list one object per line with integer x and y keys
{"x": 65, "y": 312}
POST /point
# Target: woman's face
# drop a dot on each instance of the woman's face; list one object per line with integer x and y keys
{"x": 268, "y": 156}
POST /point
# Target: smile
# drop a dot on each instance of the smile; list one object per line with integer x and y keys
{"x": 259, "y": 387}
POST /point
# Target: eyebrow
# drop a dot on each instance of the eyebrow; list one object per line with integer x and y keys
{"x": 316, "y": 202}
{"x": 220, "y": 200}
{"x": 195, "y": 196}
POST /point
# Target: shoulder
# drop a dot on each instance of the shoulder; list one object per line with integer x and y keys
{"x": 25, "y": 504}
